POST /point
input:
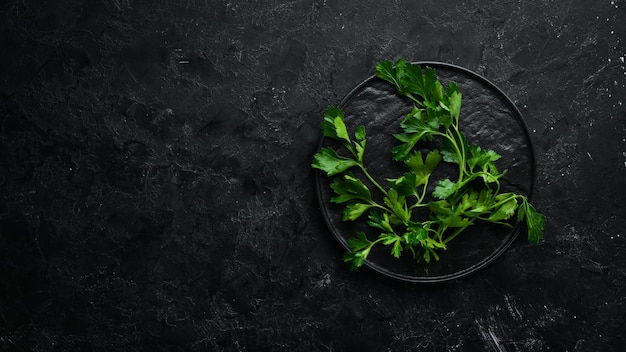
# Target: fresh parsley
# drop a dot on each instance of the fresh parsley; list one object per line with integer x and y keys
{"x": 455, "y": 204}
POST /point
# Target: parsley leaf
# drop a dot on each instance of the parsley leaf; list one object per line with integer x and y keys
{"x": 355, "y": 192}
{"x": 328, "y": 161}
{"x": 350, "y": 188}
{"x": 423, "y": 168}
{"x": 406, "y": 185}
{"x": 534, "y": 222}
{"x": 417, "y": 234}
{"x": 504, "y": 211}
{"x": 380, "y": 221}
{"x": 353, "y": 211}
{"x": 359, "y": 135}
{"x": 445, "y": 188}
{"x": 452, "y": 100}
{"x": 386, "y": 71}
{"x": 481, "y": 158}
{"x": 449, "y": 153}
{"x": 360, "y": 248}
{"x": 455, "y": 219}
{"x": 410, "y": 78}
{"x": 415, "y": 130}
{"x": 397, "y": 204}
{"x": 432, "y": 87}
{"x": 483, "y": 202}
{"x": 418, "y": 175}
{"x": 395, "y": 240}
{"x": 334, "y": 126}
{"x": 441, "y": 207}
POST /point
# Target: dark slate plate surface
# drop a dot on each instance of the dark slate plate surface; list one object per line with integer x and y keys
{"x": 488, "y": 119}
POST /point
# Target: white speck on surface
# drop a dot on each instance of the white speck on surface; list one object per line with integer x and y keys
{"x": 324, "y": 281}
{"x": 589, "y": 155}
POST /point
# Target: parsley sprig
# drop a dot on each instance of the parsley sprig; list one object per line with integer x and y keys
{"x": 474, "y": 196}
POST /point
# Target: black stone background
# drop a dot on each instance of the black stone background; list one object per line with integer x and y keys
{"x": 156, "y": 192}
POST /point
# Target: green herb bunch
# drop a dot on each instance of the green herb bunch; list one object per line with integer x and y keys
{"x": 474, "y": 196}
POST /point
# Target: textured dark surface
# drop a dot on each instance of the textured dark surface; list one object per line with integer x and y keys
{"x": 157, "y": 195}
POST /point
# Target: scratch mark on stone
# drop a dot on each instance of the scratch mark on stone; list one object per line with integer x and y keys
{"x": 589, "y": 155}
{"x": 496, "y": 341}
{"x": 490, "y": 338}
{"x": 515, "y": 313}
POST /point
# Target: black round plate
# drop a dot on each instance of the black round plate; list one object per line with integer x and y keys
{"x": 488, "y": 118}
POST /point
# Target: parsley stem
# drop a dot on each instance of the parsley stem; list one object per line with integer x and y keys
{"x": 455, "y": 233}
{"x": 461, "y": 149}
{"x": 381, "y": 207}
{"x": 369, "y": 177}
{"x": 440, "y": 230}
{"x": 460, "y": 153}
{"x": 413, "y": 98}
{"x": 417, "y": 205}
{"x": 413, "y": 252}
{"x": 514, "y": 196}
{"x": 421, "y": 199}
{"x": 434, "y": 254}
{"x": 495, "y": 221}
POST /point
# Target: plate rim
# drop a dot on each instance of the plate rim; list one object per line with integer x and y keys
{"x": 499, "y": 251}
